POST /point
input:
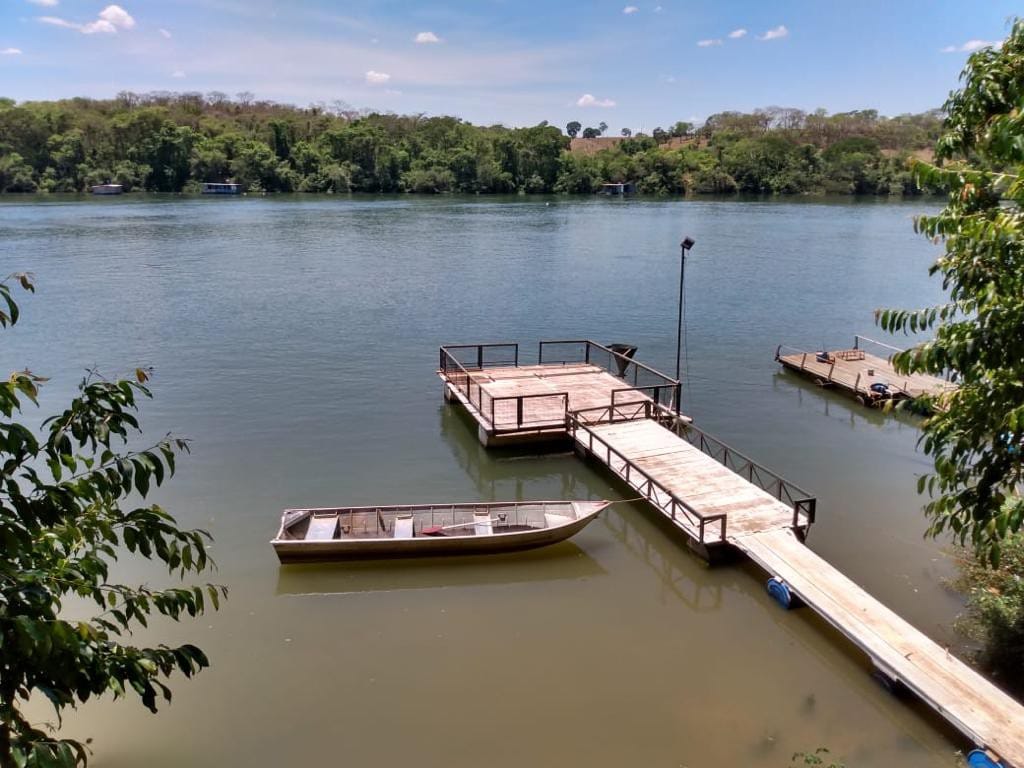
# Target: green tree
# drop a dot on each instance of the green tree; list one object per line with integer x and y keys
{"x": 976, "y": 437}
{"x": 573, "y": 128}
{"x": 64, "y": 518}
{"x": 681, "y": 129}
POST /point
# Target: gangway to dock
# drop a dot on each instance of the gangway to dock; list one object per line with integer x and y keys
{"x": 685, "y": 474}
{"x": 625, "y": 416}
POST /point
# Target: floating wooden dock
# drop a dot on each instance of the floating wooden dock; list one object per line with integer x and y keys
{"x": 869, "y": 378}
{"x": 720, "y": 500}
{"x": 517, "y": 403}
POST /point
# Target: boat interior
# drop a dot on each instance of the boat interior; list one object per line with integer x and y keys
{"x": 433, "y": 520}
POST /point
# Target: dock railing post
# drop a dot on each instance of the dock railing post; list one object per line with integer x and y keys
{"x": 480, "y": 356}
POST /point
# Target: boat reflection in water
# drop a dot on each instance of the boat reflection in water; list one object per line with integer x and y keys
{"x": 559, "y": 562}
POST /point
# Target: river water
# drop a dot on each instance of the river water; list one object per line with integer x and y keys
{"x": 294, "y": 340}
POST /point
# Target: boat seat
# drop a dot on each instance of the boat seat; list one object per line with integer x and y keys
{"x": 482, "y": 524}
{"x": 403, "y": 527}
{"x": 552, "y": 520}
{"x": 322, "y": 527}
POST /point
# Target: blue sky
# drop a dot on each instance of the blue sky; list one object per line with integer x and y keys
{"x": 632, "y": 63}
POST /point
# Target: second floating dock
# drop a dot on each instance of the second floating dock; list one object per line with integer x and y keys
{"x": 869, "y": 378}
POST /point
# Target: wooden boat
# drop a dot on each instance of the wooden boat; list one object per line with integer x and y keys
{"x": 343, "y": 533}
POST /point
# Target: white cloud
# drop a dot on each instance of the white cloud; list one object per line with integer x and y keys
{"x": 377, "y": 78}
{"x": 588, "y": 100}
{"x": 45, "y": 3}
{"x": 165, "y": 34}
{"x": 118, "y": 16}
{"x": 100, "y": 25}
{"x": 736, "y": 34}
{"x": 970, "y": 46}
{"x": 658, "y": 9}
{"x": 630, "y": 9}
{"x": 10, "y": 51}
{"x": 774, "y": 34}
{"x": 178, "y": 74}
{"x": 56, "y": 22}
{"x": 110, "y": 20}
{"x": 426, "y": 38}
{"x": 708, "y": 43}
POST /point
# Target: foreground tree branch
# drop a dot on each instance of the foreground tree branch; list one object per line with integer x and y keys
{"x": 62, "y": 524}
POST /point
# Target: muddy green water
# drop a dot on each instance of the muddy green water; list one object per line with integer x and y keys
{"x": 295, "y": 341}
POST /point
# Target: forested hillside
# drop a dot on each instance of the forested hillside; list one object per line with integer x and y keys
{"x": 170, "y": 142}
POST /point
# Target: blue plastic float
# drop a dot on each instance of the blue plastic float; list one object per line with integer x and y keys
{"x": 780, "y": 592}
{"x": 978, "y": 758}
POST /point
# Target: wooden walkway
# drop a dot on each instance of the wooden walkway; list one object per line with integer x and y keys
{"x": 977, "y": 708}
{"x": 713, "y": 505}
{"x": 855, "y": 371}
{"x": 701, "y": 496}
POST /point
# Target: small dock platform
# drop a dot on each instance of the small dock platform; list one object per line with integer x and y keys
{"x": 870, "y": 378}
{"x": 517, "y": 402}
{"x": 721, "y": 501}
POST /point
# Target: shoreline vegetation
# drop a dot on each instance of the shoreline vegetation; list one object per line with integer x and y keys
{"x": 173, "y": 142}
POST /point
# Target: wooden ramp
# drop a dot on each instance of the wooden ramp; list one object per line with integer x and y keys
{"x": 977, "y": 708}
{"x": 704, "y": 498}
{"x": 706, "y": 495}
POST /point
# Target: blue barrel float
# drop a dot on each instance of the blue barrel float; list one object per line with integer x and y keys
{"x": 780, "y": 592}
{"x": 979, "y": 758}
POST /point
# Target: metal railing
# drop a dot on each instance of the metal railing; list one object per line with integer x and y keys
{"x": 512, "y": 413}
{"x": 678, "y": 510}
{"x": 478, "y": 356}
{"x": 574, "y": 351}
{"x": 804, "y": 504}
{"x": 459, "y": 377}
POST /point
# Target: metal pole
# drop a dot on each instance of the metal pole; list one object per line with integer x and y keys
{"x": 679, "y": 328}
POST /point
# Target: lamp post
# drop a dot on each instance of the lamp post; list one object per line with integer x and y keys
{"x": 686, "y": 245}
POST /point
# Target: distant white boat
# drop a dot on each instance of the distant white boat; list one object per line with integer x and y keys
{"x": 423, "y": 530}
{"x": 107, "y": 189}
{"x": 217, "y": 188}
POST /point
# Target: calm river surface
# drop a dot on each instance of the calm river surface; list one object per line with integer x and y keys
{"x": 295, "y": 341}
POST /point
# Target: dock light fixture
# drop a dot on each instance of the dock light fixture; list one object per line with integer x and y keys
{"x": 686, "y": 245}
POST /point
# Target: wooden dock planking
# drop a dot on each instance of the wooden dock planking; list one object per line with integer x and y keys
{"x": 976, "y": 707}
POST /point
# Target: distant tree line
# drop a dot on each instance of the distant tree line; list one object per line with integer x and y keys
{"x": 171, "y": 142}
